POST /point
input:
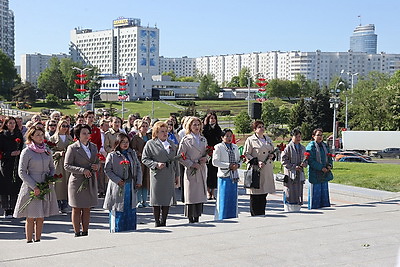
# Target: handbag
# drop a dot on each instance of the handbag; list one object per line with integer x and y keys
{"x": 252, "y": 178}
{"x": 281, "y": 177}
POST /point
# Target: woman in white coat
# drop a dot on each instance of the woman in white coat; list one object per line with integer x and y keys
{"x": 226, "y": 158}
{"x": 194, "y": 145}
{"x": 259, "y": 150}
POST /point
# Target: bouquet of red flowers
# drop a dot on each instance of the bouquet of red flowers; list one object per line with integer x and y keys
{"x": 306, "y": 156}
{"x": 44, "y": 188}
{"x": 101, "y": 157}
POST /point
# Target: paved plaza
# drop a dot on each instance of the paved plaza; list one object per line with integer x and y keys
{"x": 362, "y": 228}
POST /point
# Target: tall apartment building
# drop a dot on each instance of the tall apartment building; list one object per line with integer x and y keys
{"x": 318, "y": 66}
{"x": 127, "y": 48}
{"x": 6, "y": 29}
{"x": 33, "y": 64}
{"x": 364, "y": 39}
{"x": 183, "y": 66}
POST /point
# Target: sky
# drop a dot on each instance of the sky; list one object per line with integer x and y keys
{"x": 205, "y": 28}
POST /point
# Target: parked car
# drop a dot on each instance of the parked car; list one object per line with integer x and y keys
{"x": 340, "y": 155}
{"x": 391, "y": 152}
{"x": 355, "y": 159}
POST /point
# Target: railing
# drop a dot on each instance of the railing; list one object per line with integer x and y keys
{"x": 14, "y": 112}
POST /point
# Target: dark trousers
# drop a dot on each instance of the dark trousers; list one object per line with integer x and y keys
{"x": 8, "y": 201}
{"x": 257, "y": 204}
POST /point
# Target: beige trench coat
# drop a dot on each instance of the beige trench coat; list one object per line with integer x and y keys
{"x": 59, "y": 157}
{"x": 254, "y": 147}
{"x": 195, "y": 184}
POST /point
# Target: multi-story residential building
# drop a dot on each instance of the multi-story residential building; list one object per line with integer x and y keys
{"x": 6, "y": 29}
{"x": 33, "y": 64}
{"x": 183, "y": 66}
{"x": 127, "y": 49}
{"x": 364, "y": 39}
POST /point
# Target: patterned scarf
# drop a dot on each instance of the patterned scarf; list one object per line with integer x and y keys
{"x": 234, "y": 175}
{"x": 318, "y": 152}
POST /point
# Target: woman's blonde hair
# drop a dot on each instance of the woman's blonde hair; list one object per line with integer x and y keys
{"x": 156, "y": 128}
{"x": 31, "y": 131}
{"x": 189, "y": 122}
{"x": 60, "y": 123}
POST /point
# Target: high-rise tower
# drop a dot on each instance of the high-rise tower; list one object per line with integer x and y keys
{"x": 364, "y": 39}
{"x": 6, "y": 29}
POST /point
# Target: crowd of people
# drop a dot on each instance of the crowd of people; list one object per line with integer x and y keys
{"x": 56, "y": 166}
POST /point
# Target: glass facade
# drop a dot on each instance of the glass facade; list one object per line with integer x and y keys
{"x": 364, "y": 39}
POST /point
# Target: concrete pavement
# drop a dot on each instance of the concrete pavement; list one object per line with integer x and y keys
{"x": 360, "y": 229}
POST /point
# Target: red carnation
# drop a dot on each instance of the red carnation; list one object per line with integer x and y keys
{"x": 183, "y": 156}
{"x": 124, "y": 162}
{"x": 101, "y": 157}
{"x": 18, "y": 140}
{"x": 307, "y": 155}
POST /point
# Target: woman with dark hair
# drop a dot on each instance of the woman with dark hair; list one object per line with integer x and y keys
{"x": 293, "y": 161}
{"x": 159, "y": 155}
{"x": 61, "y": 138}
{"x": 171, "y": 132}
{"x": 137, "y": 143}
{"x": 212, "y": 132}
{"x": 111, "y": 135}
{"x": 82, "y": 162}
{"x": 319, "y": 171}
{"x": 259, "y": 151}
{"x": 123, "y": 169}
{"x": 227, "y": 158}
{"x": 35, "y": 164}
{"x": 11, "y": 143}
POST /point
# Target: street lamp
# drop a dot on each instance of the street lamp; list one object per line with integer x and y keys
{"x": 248, "y": 93}
{"x": 334, "y": 103}
{"x": 352, "y": 79}
{"x": 352, "y": 86}
{"x": 93, "y": 96}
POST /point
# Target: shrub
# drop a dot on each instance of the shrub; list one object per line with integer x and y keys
{"x": 186, "y": 103}
{"x": 242, "y": 122}
{"x": 52, "y": 100}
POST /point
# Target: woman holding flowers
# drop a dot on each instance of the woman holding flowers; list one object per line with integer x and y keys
{"x": 82, "y": 162}
{"x": 319, "y": 171}
{"x": 123, "y": 169}
{"x": 35, "y": 200}
{"x": 226, "y": 158}
{"x": 159, "y": 155}
{"x": 11, "y": 143}
{"x": 294, "y": 160}
{"x": 194, "y": 147}
{"x": 259, "y": 151}
{"x": 61, "y": 140}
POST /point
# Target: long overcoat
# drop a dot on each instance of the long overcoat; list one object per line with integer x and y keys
{"x": 195, "y": 182}
{"x": 59, "y": 151}
{"x": 254, "y": 147}
{"x": 162, "y": 181}
{"x": 137, "y": 143}
{"x": 76, "y": 161}
{"x": 116, "y": 172}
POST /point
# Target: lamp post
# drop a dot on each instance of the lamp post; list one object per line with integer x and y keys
{"x": 248, "y": 93}
{"x": 352, "y": 86}
{"x": 93, "y": 96}
{"x": 334, "y": 103}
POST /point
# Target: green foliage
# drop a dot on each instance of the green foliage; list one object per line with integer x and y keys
{"x": 244, "y": 77}
{"x": 51, "y": 80}
{"x": 274, "y": 112}
{"x": 277, "y": 132}
{"x": 7, "y": 75}
{"x": 297, "y": 114}
{"x": 52, "y": 100}
{"x": 234, "y": 82}
{"x": 208, "y": 88}
{"x": 24, "y": 92}
{"x": 318, "y": 111}
{"x": 170, "y": 73}
{"x": 186, "y": 79}
{"x": 306, "y": 87}
{"x": 242, "y": 122}
{"x": 186, "y": 103}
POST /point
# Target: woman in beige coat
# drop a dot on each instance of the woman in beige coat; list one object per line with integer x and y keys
{"x": 193, "y": 145}
{"x": 82, "y": 162}
{"x": 62, "y": 139}
{"x": 111, "y": 135}
{"x": 259, "y": 150}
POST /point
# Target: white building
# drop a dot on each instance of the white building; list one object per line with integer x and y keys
{"x": 6, "y": 29}
{"x": 33, "y": 64}
{"x": 317, "y": 66}
{"x": 183, "y": 66}
{"x": 126, "y": 50}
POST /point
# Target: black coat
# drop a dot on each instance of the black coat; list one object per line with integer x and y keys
{"x": 10, "y": 183}
{"x": 213, "y": 136}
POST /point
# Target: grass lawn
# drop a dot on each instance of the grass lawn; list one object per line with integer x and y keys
{"x": 368, "y": 175}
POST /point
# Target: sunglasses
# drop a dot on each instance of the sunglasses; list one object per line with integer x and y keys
{"x": 52, "y": 125}
{"x": 65, "y": 126}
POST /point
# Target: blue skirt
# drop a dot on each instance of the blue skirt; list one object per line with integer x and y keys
{"x": 318, "y": 196}
{"x": 227, "y": 199}
{"x": 124, "y": 220}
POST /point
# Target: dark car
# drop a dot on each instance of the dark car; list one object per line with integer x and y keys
{"x": 391, "y": 152}
{"x": 355, "y": 159}
{"x": 350, "y": 153}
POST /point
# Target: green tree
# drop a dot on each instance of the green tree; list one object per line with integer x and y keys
{"x": 318, "y": 111}
{"x": 208, "y": 88}
{"x": 244, "y": 76}
{"x": 283, "y": 88}
{"x": 170, "y": 73}
{"x": 270, "y": 113}
{"x": 25, "y": 92}
{"x": 7, "y": 75}
{"x": 234, "y": 82}
{"x": 297, "y": 114}
{"x": 394, "y": 101}
{"x": 242, "y": 122}
{"x": 51, "y": 80}
{"x": 306, "y": 87}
